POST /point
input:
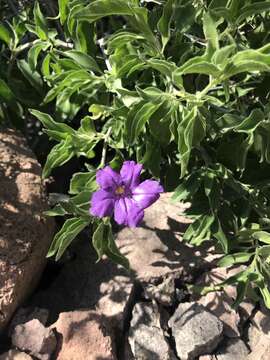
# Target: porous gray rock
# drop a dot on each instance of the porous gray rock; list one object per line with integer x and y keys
{"x": 25, "y": 233}
{"x": 146, "y": 337}
{"x": 196, "y": 331}
{"x": 84, "y": 335}
{"x": 15, "y": 355}
{"x": 233, "y": 349}
{"x": 35, "y": 339}
{"x": 163, "y": 293}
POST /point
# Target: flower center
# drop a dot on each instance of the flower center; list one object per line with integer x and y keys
{"x": 120, "y": 190}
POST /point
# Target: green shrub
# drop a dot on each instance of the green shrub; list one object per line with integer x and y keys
{"x": 182, "y": 87}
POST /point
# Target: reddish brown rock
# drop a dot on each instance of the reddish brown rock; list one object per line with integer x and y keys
{"x": 35, "y": 339}
{"x": 259, "y": 335}
{"x": 15, "y": 355}
{"x": 83, "y": 335}
{"x": 25, "y": 234}
{"x": 156, "y": 248}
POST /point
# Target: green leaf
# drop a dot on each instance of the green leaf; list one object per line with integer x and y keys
{"x": 63, "y": 10}
{"x": 5, "y": 35}
{"x": 104, "y": 244}
{"x": 101, "y": 8}
{"x": 262, "y": 236}
{"x": 200, "y": 68}
{"x": 45, "y": 67}
{"x": 34, "y": 52}
{"x": 222, "y": 55}
{"x": 137, "y": 118}
{"x": 237, "y": 258}
{"x": 54, "y": 129}
{"x": 199, "y": 230}
{"x": 265, "y": 294}
{"x": 83, "y": 181}
{"x": 241, "y": 291}
{"x": 249, "y": 124}
{"x": 249, "y": 66}
{"x": 188, "y": 188}
{"x": 58, "y": 210}
{"x": 59, "y": 155}
{"x": 40, "y": 22}
{"x": 6, "y": 93}
{"x": 84, "y": 60}
{"x": 219, "y": 234}
{"x": 190, "y": 132}
{"x": 164, "y": 67}
{"x": 164, "y": 22}
{"x": 32, "y": 76}
{"x": 64, "y": 237}
{"x": 211, "y": 35}
{"x": 122, "y": 39}
{"x": 99, "y": 240}
{"x": 253, "y": 9}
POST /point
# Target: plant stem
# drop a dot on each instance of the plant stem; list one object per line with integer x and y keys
{"x": 104, "y": 150}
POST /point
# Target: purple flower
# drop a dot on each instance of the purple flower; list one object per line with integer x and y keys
{"x": 123, "y": 194}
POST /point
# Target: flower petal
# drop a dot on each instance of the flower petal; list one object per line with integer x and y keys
{"x": 102, "y": 203}
{"x": 130, "y": 173}
{"x": 147, "y": 193}
{"x": 126, "y": 212}
{"x": 107, "y": 178}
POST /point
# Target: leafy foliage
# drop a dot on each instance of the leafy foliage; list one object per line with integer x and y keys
{"x": 182, "y": 86}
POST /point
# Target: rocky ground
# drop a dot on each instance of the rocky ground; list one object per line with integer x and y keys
{"x": 83, "y": 310}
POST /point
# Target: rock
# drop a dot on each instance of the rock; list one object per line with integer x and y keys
{"x": 22, "y": 202}
{"x": 149, "y": 343}
{"x": 34, "y": 338}
{"x": 163, "y": 293}
{"x": 84, "y": 284}
{"x": 219, "y": 303}
{"x": 259, "y": 335}
{"x": 261, "y": 320}
{"x": 233, "y": 349}
{"x": 146, "y": 337}
{"x": 261, "y": 351}
{"x": 15, "y": 355}
{"x": 207, "y": 357}
{"x": 196, "y": 331}
{"x": 83, "y": 335}
{"x": 26, "y": 314}
{"x": 156, "y": 250}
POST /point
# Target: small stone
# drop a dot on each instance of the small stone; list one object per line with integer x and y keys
{"x": 24, "y": 315}
{"x": 233, "y": 349}
{"x": 146, "y": 337}
{"x": 219, "y": 303}
{"x": 34, "y": 338}
{"x": 207, "y": 357}
{"x": 196, "y": 331}
{"x": 149, "y": 343}
{"x": 15, "y": 355}
{"x": 163, "y": 293}
{"x": 83, "y": 334}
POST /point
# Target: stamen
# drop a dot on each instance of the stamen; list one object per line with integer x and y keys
{"x": 120, "y": 190}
